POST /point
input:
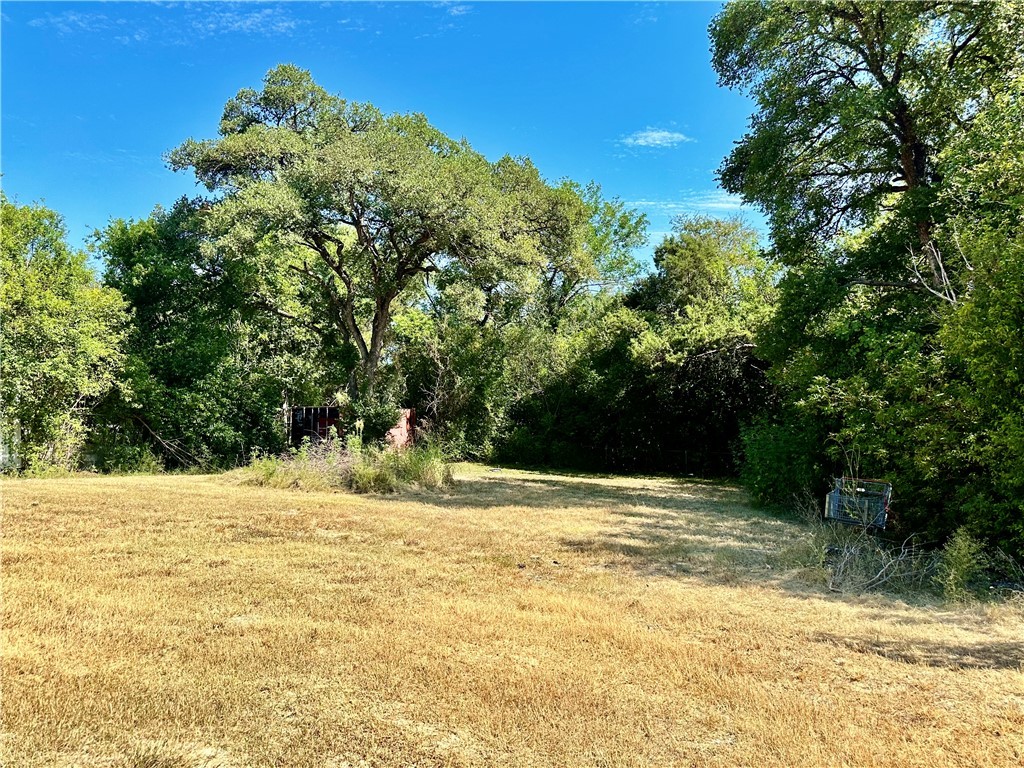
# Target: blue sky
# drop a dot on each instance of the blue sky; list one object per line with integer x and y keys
{"x": 94, "y": 94}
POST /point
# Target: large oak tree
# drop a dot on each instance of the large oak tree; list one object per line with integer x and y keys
{"x": 363, "y": 207}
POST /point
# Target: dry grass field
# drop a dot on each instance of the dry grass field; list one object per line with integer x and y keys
{"x": 518, "y": 619}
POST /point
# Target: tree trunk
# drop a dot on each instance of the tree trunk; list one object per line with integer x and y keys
{"x": 379, "y": 329}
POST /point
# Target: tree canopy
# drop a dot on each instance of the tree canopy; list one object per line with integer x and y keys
{"x": 62, "y": 333}
{"x": 878, "y": 138}
{"x": 855, "y": 101}
{"x": 206, "y": 370}
{"x": 364, "y": 206}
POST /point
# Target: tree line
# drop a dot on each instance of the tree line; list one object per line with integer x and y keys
{"x": 369, "y": 261}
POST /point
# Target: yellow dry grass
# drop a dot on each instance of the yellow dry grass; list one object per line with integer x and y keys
{"x": 519, "y": 619}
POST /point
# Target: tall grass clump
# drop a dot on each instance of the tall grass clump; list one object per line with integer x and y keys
{"x": 349, "y": 465}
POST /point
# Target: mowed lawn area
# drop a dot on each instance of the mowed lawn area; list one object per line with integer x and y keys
{"x": 518, "y": 619}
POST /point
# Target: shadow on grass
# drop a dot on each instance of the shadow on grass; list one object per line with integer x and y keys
{"x": 1001, "y": 655}
{"x": 557, "y": 491}
{"x": 709, "y": 532}
{"x": 664, "y": 526}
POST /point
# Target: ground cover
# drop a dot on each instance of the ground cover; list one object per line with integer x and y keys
{"x": 515, "y": 619}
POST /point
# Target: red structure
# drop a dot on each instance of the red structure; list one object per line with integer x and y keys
{"x": 403, "y": 434}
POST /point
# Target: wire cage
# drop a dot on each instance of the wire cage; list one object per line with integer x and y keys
{"x": 854, "y": 501}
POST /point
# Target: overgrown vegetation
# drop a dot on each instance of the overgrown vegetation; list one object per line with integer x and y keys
{"x": 662, "y": 376}
{"x": 856, "y": 560}
{"x": 885, "y": 151}
{"x": 61, "y": 337}
{"x": 335, "y": 464}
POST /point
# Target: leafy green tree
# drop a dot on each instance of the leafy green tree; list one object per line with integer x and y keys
{"x": 207, "y": 372}
{"x": 62, "y": 335}
{"x": 854, "y": 102}
{"x": 465, "y": 376}
{"x": 712, "y": 292}
{"x": 470, "y": 352}
{"x": 663, "y": 377}
{"x": 364, "y": 207}
{"x": 982, "y": 336}
{"x": 604, "y": 260}
{"x": 711, "y": 278}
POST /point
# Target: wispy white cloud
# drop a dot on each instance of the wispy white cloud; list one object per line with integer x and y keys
{"x": 647, "y": 14}
{"x": 112, "y": 157}
{"x": 449, "y": 19}
{"x": 202, "y": 21}
{"x": 242, "y": 20}
{"x": 692, "y": 201}
{"x": 136, "y": 36}
{"x": 453, "y": 8}
{"x": 69, "y": 22}
{"x": 655, "y": 137}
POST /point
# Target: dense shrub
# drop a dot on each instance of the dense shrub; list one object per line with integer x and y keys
{"x": 782, "y": 461}
{"x": 961, "y": 565}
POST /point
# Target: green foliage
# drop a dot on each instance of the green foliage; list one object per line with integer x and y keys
{"x": 982, "y": 335}
{"x": 855, "y": 561}
{"x": 372, "y": 477}
{"x": 62, "y": 336}
{"x": 584, "y": 412}
{"x": 960, "y": 572}
{"x": 781, "y": 459}
{"x": 602, "y": 259}
{"x": 45, "y": 470}
{"x": 376, "y": 415}
{"x": 854, "y": 100}
{"x": 347, "y": 251}
{"x": 883, "y": 152}
{"x": 663, "y": 379}
{"x": 206, "y": 372}
{"x": 363, "y": 207}
{"x": 849, "y": 559}
{"x": 712, "y": 267}
{"x": 471, "y": 353}
{"x": 111, "y": 451}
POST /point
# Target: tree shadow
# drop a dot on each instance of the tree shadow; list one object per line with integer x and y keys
{"x": 665, "y": 526}
{"x": 553, "y": 491}
{"x": 989, "y": 655}
{"x": 682, "y": 529}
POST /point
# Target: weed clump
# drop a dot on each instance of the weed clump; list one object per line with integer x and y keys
{"x": 348, "y": 465}
{"x": 852, "y": 559}
{"x": 961, "y": 567}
